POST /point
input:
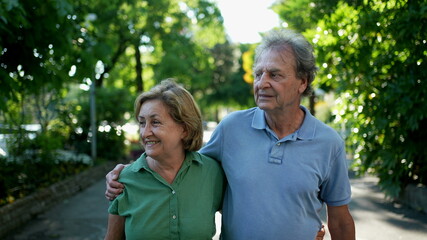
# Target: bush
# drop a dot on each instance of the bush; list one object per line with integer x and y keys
{"x": 111, "y": 106}
{"x": 33, "y": 164}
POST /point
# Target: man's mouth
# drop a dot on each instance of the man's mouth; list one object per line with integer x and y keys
{"x": 260, "y": 96}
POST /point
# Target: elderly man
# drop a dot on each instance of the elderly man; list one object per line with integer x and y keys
{"x": 281, "y": 163}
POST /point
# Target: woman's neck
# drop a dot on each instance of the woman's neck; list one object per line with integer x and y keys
{"x": 168, "y": 169}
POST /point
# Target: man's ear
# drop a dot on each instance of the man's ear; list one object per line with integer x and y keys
{"x": 303, "y": 86}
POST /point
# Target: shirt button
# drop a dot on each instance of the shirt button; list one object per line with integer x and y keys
{"x": 278, "y": 144}
{"x": 174, "y": 216}
{"x": 173, "y": 192}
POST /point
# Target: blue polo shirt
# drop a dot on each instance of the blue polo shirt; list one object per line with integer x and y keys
{"x": 277, "y": 187}
{"x": 185, "y": 209}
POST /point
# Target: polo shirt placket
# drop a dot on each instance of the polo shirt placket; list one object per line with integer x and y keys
{"x": 174, "y": 204}
{"x": 173, "y": 220}
{"x": 277, "y": 152}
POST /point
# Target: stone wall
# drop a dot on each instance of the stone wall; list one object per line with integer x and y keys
{"x": 21, "y": 211}
{"x": 415, "y": 196}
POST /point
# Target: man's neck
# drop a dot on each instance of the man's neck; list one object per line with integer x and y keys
{"x": 285, "y": 122}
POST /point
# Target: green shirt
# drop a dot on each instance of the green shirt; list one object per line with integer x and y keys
{"x": 185, "y": 209}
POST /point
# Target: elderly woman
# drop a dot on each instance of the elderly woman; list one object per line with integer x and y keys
{"x": 171, "y": 191}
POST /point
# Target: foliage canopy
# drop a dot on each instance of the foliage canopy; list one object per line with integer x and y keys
{"x": 52, "y": 51}
{"x": 373, "y": 55}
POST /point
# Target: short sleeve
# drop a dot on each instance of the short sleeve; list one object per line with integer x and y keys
{"x": 336, "y": 190}
{"x": 113, "y": 208}
{"x": 119, "y": 205}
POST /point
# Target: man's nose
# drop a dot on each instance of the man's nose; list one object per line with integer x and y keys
{"x": 264, "y": 80}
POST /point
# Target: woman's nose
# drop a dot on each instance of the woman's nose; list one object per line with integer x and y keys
{"x": 145, "y": 131}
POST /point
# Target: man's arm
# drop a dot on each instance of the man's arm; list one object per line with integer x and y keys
{"x": 116, "y": 228}
{"x": 114, "y": 188}
{"x": 340, "y": 223}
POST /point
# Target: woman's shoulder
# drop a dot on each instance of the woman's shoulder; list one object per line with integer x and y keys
{"x": 133, "y": 168}
{"x": 206, "y": 160}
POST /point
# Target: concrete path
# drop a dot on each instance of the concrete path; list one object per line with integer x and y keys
{"x": 377, "y": 219}
{"x": 84, "y": 216}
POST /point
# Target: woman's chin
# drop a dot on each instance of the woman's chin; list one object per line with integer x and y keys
{"x": 150, "y": 153}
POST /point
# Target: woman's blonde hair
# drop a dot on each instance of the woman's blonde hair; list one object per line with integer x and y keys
{"x": 182, "y": 108}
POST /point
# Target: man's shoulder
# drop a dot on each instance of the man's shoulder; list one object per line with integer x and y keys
{"x": 240, "y": 115}
{"x": 323, "y": 130}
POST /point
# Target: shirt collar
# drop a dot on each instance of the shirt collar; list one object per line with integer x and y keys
{"x": 306, "y": 131}
{"x": 141, "y": 162}
{"x": 308, "y": 127}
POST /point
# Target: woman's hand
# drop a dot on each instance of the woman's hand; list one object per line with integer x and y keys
{"x": 321, "y": 233}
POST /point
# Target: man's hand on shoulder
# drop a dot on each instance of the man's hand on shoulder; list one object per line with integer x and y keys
{"x": 114, "y": 188}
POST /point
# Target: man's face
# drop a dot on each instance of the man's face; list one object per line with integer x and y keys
{"x": 276, "y": 87}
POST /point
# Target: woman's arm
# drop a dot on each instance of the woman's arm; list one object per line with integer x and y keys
{"x": 321, "y": 233}
{"x": 116, "y": 228}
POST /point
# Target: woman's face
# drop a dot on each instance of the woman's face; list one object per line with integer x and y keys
{"x": 161, "y": 136}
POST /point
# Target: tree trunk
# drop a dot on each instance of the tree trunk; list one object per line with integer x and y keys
{"x": 138, "y": 68}
{"x": 312, "y": 102}
{"x": 108, "y": 67}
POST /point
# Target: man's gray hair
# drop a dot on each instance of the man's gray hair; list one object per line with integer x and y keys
{"x": 283, "y": 39}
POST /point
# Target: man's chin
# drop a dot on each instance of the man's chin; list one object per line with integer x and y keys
{"x": 264, "y": 106}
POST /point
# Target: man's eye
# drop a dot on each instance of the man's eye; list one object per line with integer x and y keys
{"x": 276, "y": 76}
{"x": 142, "y": 123}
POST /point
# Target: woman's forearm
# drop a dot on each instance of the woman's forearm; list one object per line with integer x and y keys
{"x": 116, "y": 227}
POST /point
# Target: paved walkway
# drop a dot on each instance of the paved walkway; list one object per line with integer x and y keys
{"x": 84, "y": 216}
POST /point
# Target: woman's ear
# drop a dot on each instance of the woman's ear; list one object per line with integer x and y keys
{"x": 184, "y": 133}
